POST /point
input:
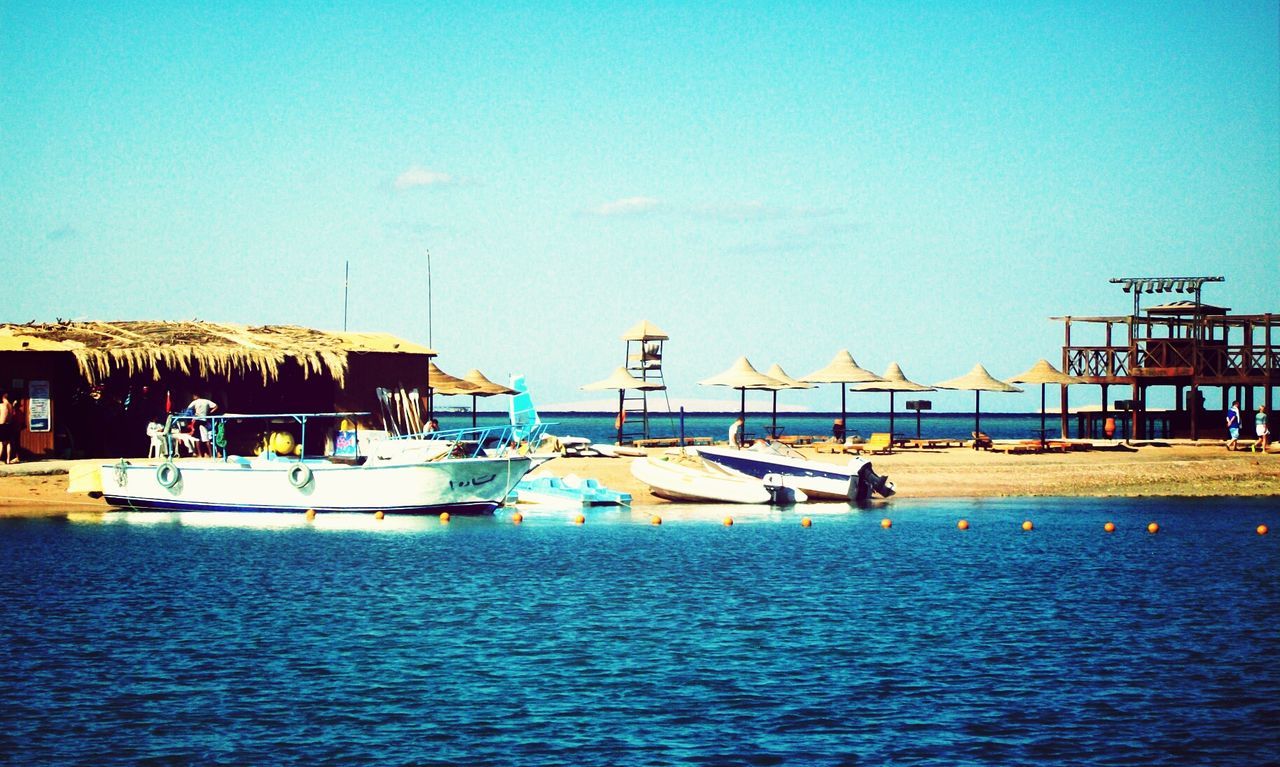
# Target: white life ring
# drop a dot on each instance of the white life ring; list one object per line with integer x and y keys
{"x": 299, "y": 475}
{"x": 167, "y": 474}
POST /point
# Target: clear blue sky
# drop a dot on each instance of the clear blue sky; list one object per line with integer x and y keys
{"x": 920, "y": 182}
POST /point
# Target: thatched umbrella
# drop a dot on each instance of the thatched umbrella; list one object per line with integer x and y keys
{"x": 484, "y": 388}
{"x": 843, "y": 370}
{"x": 742, "y": 376}
{"x": 1043, "y": 373}
{"x": 977, "y": 381}
{"x": 776, "y": 372}
{"x": 894, "y": 381}
{"x": 440, "y": 382}
{"x": 622, "y": 380}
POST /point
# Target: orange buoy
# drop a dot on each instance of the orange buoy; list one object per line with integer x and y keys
{"x": 1153, "y": 528}
{"x": 806, "y": 522}
{"x": 886, "y": 523}
{"x": 1026, "y": 525}
{"x": 655, "y": 520}
{"x": 579, "y": 519}
{"x": 444, "y": 516}
{"x": 1110, "y": 527}
{"x": 311, "y": 513}
{"x": 728, "y": 521}
{"x": 963, "y": 524}
{"x": 378, "y": 515}
{"x": 1262, "y": 529}
{"x": 517, "y": 518}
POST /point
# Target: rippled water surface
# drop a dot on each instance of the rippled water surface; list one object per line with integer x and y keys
{"x": 158, "y": 639}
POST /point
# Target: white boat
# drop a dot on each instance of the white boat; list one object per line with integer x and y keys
{"x": 855, "y": 481}
{"x": 678, "y": 478}
{"x": 415, "y": 474}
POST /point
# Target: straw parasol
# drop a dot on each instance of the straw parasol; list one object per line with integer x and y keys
{"x": 977, "y": 381}
{"x": 842, "y": 369}
{"x": 440, "y": 382}
{"x": 777, "y": 373}
{"x": 622, "y": 380}
{"x": 484, "y": 388}
{"x": 1043, "y": 373}
{"x": 894, "y": 381}
{"x": 742, "y": 376}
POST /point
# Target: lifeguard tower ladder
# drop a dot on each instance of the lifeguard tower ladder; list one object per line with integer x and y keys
{"x": 644, "y": 361}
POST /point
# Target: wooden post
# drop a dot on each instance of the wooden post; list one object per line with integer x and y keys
{"x": 1066, "y": 357}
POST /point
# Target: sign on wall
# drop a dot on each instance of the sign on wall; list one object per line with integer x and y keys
{"x": 38, "y": 410}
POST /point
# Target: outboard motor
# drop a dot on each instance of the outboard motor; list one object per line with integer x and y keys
{"x": 869, "y": 481}
{"x": 779, "y": 493}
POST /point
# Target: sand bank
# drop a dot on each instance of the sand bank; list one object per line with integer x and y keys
{"x": 1148, "y": 470}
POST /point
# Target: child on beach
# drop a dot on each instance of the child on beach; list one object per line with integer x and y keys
{"x": 1260, "y": 426}
{"x": 1233, "y": 426}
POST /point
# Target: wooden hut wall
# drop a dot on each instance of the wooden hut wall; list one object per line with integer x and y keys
{"x": 17, "y": 370}
{"x": 368, "y": 371}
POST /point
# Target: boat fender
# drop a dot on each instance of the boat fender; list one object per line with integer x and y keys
{"x": 167, "y": 474}
{"x": 299, "y": 475}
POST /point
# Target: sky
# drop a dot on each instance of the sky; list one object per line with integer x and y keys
{"x": 926, "y": 183}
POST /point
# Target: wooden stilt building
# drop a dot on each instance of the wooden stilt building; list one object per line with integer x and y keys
{"x": 1184, "y": 344}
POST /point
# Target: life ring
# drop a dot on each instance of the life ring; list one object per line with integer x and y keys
{"x": 167, "y": 474}
{"x": 299, "y": 475}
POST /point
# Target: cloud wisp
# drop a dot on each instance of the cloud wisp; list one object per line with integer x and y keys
{"x": 753, "y": 210}
{"x": 627, "y": 206}
{"x": 417, "y": 177}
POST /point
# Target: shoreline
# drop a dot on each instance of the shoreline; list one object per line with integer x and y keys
{"x": 38, "y": 489}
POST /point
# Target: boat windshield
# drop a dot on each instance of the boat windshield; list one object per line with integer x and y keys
{"x": 772, "y": 447}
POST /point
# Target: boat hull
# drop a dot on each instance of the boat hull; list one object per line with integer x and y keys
{"x": 675, "y": 482}
{"x": 819, "y": 480}
{"x": 462, "y": 486}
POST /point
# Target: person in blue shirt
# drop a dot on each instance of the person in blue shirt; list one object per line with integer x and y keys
{"x": 1233, "y": 426}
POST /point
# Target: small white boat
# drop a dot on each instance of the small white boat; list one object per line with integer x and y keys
{"x": 677, "y": 478}
{"x": 618, "y": 451}
{"x": 416, "y": 474}
{"x": 821, "y": 480}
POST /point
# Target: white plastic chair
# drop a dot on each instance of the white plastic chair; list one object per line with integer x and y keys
{"x": 156, "y": 432}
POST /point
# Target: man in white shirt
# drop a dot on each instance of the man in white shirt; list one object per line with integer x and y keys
{"x": 201, "y": 408}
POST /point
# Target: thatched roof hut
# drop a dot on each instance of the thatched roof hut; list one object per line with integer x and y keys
{"x": 203, "y": 349}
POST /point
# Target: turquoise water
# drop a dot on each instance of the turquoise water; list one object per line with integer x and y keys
{"x": 162, "y": 639}
{"x": 599, "y": 427}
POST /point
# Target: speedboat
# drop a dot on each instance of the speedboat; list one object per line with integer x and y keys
{"x": 685, "y": 478}
{"x": 819, "y": 479}
{"x": 410, "y": 474}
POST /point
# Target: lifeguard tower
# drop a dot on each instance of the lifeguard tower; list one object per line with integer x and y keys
{"x": 644, "y": 361}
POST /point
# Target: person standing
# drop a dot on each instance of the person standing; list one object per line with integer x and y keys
{"x": 201, "y": 408}
{"x": 837, "y": 430}
{"x": 735, "y": 432}
{"x": 1260, "y": 427}
{"x": 8, "y": 429}
{"x": 1233, "y": 426}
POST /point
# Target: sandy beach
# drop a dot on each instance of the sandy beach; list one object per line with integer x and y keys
{"x": 1158, "y": 469}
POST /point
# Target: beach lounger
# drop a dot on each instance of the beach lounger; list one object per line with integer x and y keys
{"x": 881, "y": 443}
{"x": 981, "y": 441}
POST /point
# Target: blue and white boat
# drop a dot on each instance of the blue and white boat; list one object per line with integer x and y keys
{"x": 820, "y": 480}
{"x": 463, "y": 471}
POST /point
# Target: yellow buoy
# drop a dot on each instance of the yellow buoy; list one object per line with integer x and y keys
{"x": 963, "y": 524}
{"x": 311, "y": 513}
{"x": 444, "y": 516}
{"x": 1153, "y": 528}
{"x": 886, "y": 523}
{"x": 579, "y": 519}
{"x": 1110, "y": 527}
{"x": 1262, "y": 529}
{"x": 655, "y": 520}
{"x": 282, "y": 442}
{"x": 728, "y": 521}
{"x": 806, "y": 522}
{"x": 517, "y": 518}
{"x": 378, "y": 515}
{"x": 1027, "y": 525}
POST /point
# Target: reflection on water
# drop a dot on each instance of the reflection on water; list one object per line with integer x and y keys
{"x": 245, "y": 639}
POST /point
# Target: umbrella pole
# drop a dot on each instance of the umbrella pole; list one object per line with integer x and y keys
{"x": 618, "y": 421}
{"x": 742, "y": 413}
{"x": 977, "y": 413}
{"x": 473, "y": 411}
{"x": 1042, "y": 442}
{"x": 844, "y": 417}
{"x": 890, "y": 416}
{"x": 773, "y": 432}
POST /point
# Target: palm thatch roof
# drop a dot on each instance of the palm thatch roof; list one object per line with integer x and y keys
{"x": 205, "y": 349}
